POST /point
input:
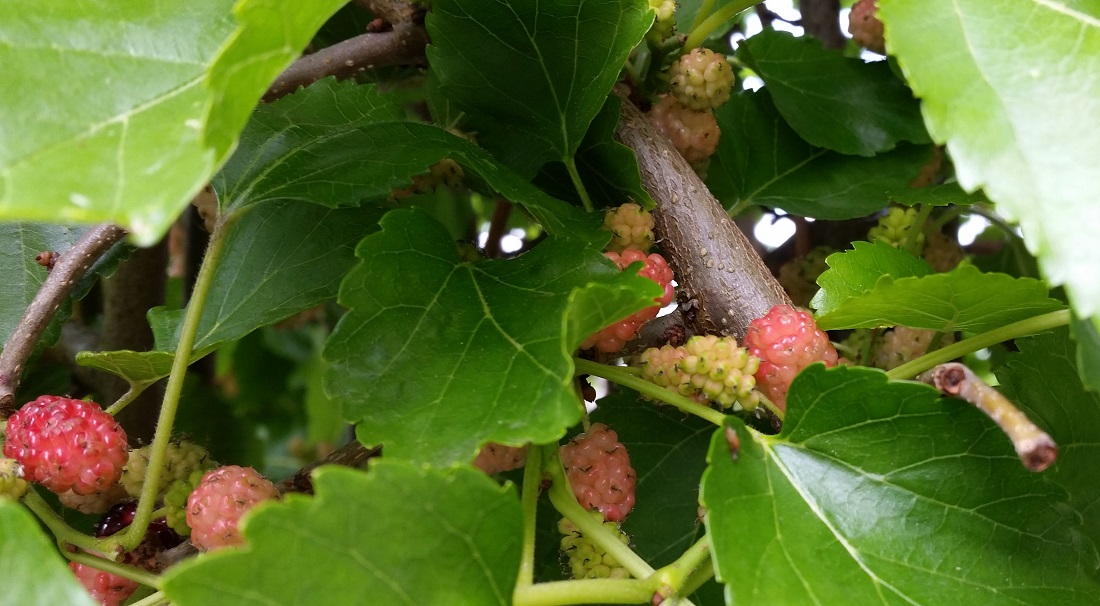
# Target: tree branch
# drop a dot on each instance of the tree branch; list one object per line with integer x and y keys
{"x": 724, "y": 284}
{"x": 404, "y": 45}
{"x": 72, "y": 266}
{"x": 393, "y": 11}
{"x": 352, "y": 454}
{"x": 1034, "y": 446}
{"x": 821, "y": 18}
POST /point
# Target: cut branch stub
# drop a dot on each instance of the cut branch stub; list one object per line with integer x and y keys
{"x": 1036, "y": 449}
{"x": 723, "y": 282}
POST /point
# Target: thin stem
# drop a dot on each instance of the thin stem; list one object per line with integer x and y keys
{"x": 917, "y": 229}
{"x": 532, "y": 481}
{"x": 584, "y": 591}
{"x": 701, "y": 32}
{"x": 61, "y": 530}
{"x": 561, "y": 495}
{"x": 135, "y": 391}
{"x": 695, "y": 580}
{"x": 571, "y": 166}
{"x": 704, "y": 11}
{"x": 1022, "y": 328}
{"x": 1014, "y": 239}
{"x": 127, "y": 572}
{"x": 619, "y": 375}
{"x": 167, "y": 417}
{"x": 673, "y": 577}
{"x": 156, "y": 599}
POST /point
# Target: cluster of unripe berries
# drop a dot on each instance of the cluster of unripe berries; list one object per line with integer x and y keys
{"x": 699, "y": 81}
{"x": 706, "y": 368}
{"x": 77, "y": 450}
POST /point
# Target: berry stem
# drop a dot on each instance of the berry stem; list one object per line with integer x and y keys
{"x": 563, "y": 499}
{"x": 166, "y": 419}
{"x": 122, "y": 570}
{"x": 136, "y": 389}
{"x": 61, "y": 530}
{"x": 571, "y": 166}
{"x": 704, "y": 11}
{"x": 1022, "y": 328}
{"x": 618, "y": 374}
{"x": 917, "y": 229}
{"x": 155, "y": 599}
{"x": 673, "y": 578}
{"x": 529, "y": 501}
{"x": 584, "y": 591}
{"x": 699, "y": 33}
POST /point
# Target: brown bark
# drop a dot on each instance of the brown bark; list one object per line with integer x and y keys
{"x": 723, "y": 283}
{"x": 821, "y": 19}
{"x": 404, "y": 45}
{"x": 67, "y": 271}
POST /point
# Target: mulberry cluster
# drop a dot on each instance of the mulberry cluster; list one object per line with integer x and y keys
{"x": 786, "y": 341}
{"x": 598, "y": 468}
{"x": 613, "y": 338}
{"x": 903, "y": 344}
{"x": 693, "y": 133}
{"x": 12, "y": 484}
{"x": 706, "y": 368}
{"x": 895, "y": 226}
{"x": 221, "y": 499}
{"x": 701, "y": 79}
{"x": 66, "y": 444}
{"x": 446, "y": 172}
{"x": 799, "y": 275}
{"x": 497, "y": 458}
{"x": 181, "y": 458}
{"x": 865, "y": 27}
{"x": 631, "y": 227}
{"x": 587, "y": 560}
{"x": 665, "y": 23}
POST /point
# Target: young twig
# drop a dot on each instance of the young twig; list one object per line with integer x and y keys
{"x": 67, "y": 271}
{"x": 1035, "y": 447}
{"x": 404, "y": 45}
{"x": 352, "y": 454}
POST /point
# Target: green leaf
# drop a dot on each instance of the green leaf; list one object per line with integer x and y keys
{"x": 1011, "y": 89}
{"x": 855, "y": 272}
{"x": 35, "y": 574}
{"x": 437, "y": 356}
{"x": 397, "y": 534}
{"x": 1088, "y": 352}
{"x": 937, "y": 195}
{"x": 139, "y": 368}
{"x": 533, "y": 75}
{"x": 337, "y": 144}
{"x": 306, "y": 146}
{"x": 958, "y": 300}
{"x": 165, "y": 90}
{"x": 1043, "y": 380}
{"x": 762, "y": 160}
{"x": 833, "y": 101}
{"x": 280, "y": 258}
{"x": 21, "y": 276}
{"x": 608, "y": 168}
{"x": 885, "y": 493}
